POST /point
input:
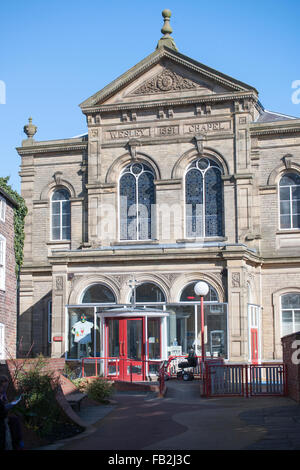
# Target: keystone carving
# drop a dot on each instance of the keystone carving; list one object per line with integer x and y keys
{"x": 287, "y": 160}
{"x": 132, "y": 147}
{"x": 199, "y": 139}
{"x": 57, "y": 177}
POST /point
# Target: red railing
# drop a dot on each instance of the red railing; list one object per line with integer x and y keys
{"x": 111, "y": 368}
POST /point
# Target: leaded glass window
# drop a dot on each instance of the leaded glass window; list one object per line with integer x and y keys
{"x": 61, "y": 215}
{"x": 137, "y": 197}
{"x": 289, "y": 194}
{"x": 204, "y": 200}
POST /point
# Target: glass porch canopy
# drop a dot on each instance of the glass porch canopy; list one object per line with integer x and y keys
{"x": 153, "y": 331}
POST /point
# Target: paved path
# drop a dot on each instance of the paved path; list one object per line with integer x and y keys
{"x": 184, "y": 421}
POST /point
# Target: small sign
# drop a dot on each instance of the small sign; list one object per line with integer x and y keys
{"x": 57, "y": 339}
{"x": 151, "y": 339}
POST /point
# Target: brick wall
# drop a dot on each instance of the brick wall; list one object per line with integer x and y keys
{"x": 292, "y": 368}
{"x": 8, "y": 297}
{"x": 52, "y": 365}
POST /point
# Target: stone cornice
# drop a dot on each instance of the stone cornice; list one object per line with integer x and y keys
{"x": 278, "y": 127}
{"x": 153, "y": 253}
{"x": 230, "y": 96}
{"x": 47, "y": 147}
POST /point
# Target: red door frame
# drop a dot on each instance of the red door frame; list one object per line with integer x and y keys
{"x": 254, "y": 345}
{"x": 126, "y": 365}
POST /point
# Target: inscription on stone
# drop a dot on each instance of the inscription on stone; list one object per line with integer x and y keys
{"x": 207, "y": 127}
{"x": 127, "y": 133}
{"x": 167, "y": 130}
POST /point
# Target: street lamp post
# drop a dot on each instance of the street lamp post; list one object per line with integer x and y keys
{"x": 132, "y": 284}
{"x": 201, "y": 289}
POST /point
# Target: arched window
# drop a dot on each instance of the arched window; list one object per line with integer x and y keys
{"x": 61, "y": 215}
{"x": 188, "y": 294}
{"x": 290, "y": 313}
{"x": 137, "y": 196}
{"x": 149, "y": 293}
{"x": 98, "y": 294}
{"x": 289, "y": 194}
{"x": 203, "y": 198}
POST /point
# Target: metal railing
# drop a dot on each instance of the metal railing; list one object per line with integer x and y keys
{"x": 225, "y": 380}
{"x": 245, "y": 380}
{"x": 116, "y": 368}
{"x": 268, "y": 380}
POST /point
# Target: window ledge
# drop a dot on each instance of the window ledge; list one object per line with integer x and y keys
{"x": 288, "y": 231}
{"x": 58, "y": 242}
{"x": 132, "y": 242}
{"x": 204, "y": 240}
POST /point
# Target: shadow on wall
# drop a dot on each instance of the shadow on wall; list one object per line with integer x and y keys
{"x": 34, "y": 329}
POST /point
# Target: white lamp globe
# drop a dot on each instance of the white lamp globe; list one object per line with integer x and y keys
{"x": 201, "y": 288}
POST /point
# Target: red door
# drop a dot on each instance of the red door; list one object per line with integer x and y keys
{"x": 254, "y": 346}
{"x": 125, "y": 340}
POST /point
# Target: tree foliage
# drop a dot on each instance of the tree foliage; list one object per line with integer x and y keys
{"x": 19, "y": 220}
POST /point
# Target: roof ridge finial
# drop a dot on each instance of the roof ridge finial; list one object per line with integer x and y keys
{"x": 166, "y": 40}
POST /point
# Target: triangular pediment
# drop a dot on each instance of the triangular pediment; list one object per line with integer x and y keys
{"x": 165, "y": 74}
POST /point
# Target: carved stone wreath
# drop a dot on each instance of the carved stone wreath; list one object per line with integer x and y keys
{"x": 166, "y": 81}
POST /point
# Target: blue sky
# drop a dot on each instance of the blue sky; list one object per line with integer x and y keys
{"x": 55, "y": 54}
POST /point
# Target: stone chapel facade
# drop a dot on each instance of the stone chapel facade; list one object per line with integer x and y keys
{"x": 217, "y": 178}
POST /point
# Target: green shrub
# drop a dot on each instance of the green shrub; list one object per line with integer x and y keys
{"x": 81, "y": 384}
{"x": 99, "y": 390}
{"x": 38, "y": 406}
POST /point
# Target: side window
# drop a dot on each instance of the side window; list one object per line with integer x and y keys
{"x": 289, "y": 196}
{"x": 290, "y": 313}
{"x": 2, "y": 262}
{"x": 2, "y": 209}
{"x": 60, "y": 215}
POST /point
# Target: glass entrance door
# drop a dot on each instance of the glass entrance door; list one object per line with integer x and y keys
{"x": 125, "y": 340}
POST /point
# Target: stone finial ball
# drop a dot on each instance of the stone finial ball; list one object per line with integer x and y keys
{"x": 166, "y": 13}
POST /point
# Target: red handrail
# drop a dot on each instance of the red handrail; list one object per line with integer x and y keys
{"x": 116, "y": 360}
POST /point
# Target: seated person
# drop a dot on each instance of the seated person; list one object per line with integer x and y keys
{"x": 191, "y": 360}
